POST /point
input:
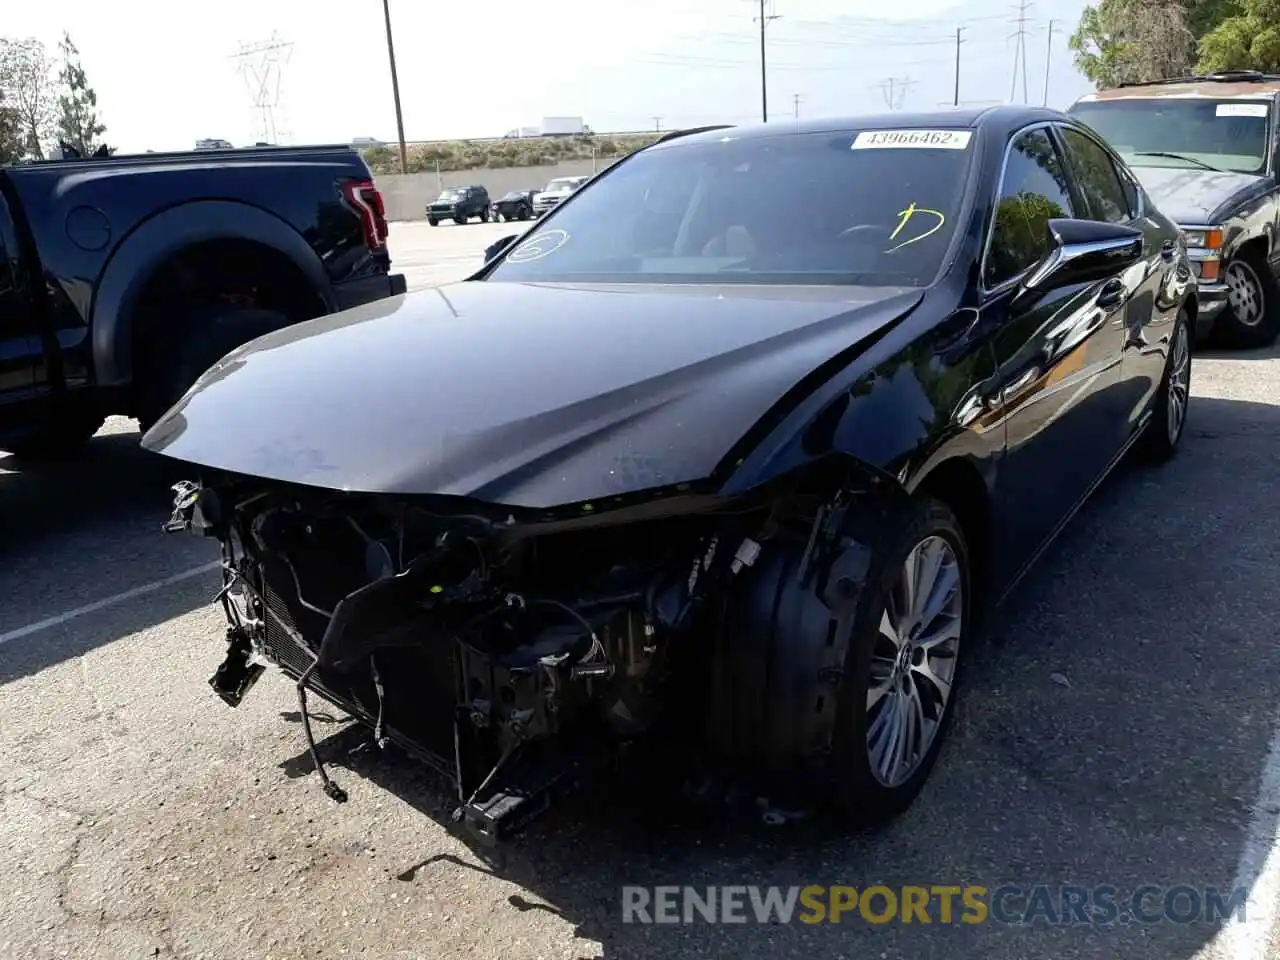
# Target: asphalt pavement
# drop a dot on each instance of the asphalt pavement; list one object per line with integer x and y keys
{"x": 1115, "y": 729}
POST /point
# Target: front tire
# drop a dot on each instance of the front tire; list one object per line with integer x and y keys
{"x": 901, "y": 668}
{"x": 63, "y": 434}
{"x": 433, "y": 221}
{"x": 1169, "y": 412}
{"x": 1252, "y": 318}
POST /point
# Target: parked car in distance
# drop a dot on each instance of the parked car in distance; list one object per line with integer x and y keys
{"x": 459, "y": 204}
{"x": 857, "y": 424}
{"x": 516, "y": 205}
{"x": 555, "y": 192}
{"x": 1205, "y": 148}
{"x": 123, "y": 278}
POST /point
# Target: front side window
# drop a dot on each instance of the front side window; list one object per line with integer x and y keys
{"x": 1187, "y": 132}
{"x": 820, "y": 208}
{"x": 1033, "y": 191}
{"x": 1096, "y": 175}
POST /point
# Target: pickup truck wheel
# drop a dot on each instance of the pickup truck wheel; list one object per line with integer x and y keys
{"x": 63, "y": 434}
{"x": 208, "y": 335}
{"x": 433, "y": 221}
{"x": 1252, "y": 318}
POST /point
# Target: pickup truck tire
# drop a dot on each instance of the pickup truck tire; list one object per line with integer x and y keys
{"x": 61, "y": 435}
{"x": 1252, "y": 317}
{"x": 209, "y": 335}
{"x": 433, "y": 221}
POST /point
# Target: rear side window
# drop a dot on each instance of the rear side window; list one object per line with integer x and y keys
{"x": 1033, "y": 191}
{"x": 1096, "y": 175}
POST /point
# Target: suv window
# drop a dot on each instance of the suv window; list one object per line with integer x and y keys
{"x": 1033, "y": 192}
{"x": 1097, "y": 178}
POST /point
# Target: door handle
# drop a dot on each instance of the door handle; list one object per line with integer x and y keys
{"x": 1167, "y": 248}
{"x": 1111, "y": 294}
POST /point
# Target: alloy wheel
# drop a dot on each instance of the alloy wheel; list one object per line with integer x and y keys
{"x": 914, "y": 660}
{"x": 1179, "y": 383}
{"x": 1244, "y": 293}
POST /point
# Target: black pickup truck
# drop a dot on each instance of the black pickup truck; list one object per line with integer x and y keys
{"x": 1207, "y": 150}
{"x": 122, "y": 279}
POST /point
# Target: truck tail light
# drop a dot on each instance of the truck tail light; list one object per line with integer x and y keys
{"x": 364, "y": 198}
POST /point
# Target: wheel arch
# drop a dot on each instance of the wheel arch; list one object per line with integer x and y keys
{"x": 158, "y": 242}
{"x": 961, "y": 485}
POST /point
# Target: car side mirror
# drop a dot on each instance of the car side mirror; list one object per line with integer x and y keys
{"x": 498, "y": 246}
{"x": 1084, "y": 251}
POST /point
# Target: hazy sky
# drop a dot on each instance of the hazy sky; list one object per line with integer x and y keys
{"x": 165, "y": 76}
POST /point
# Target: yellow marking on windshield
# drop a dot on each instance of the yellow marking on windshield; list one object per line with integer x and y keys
{"x": 906, "y": 216}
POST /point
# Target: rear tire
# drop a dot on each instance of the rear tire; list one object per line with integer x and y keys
{"x": 206, "y": 336}
{"x": 1169, "y": 411}
{"x": 459, "y": 220}
{"x": 1252, "y": 317}
{"x": 484, "y": 215}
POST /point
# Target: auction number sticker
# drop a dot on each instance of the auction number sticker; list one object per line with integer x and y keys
{"x": 539, "y": 246}
{"x": 912, "y": 140}
{"x": 1242, "y": 110}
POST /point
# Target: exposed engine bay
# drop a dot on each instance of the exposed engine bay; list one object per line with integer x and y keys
{"x": 516, "y": 655}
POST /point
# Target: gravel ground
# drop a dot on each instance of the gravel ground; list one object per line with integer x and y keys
{"x": 1114, "y": 730}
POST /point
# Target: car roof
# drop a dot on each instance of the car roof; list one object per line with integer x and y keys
{"x": 1004, "y": 118}
{"x": 1238, "y": 83}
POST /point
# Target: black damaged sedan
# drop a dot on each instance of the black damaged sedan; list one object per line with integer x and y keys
{"x": 726, "y": 459}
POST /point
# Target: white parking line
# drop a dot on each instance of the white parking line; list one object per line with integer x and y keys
{"x": 146, "y": 588}
{"x": 1259, "y": 869}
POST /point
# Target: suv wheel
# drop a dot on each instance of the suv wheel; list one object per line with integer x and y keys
{"x": 484, "y": 215}
{"x": 1252, "y": 318}
{"x": 459, "y": 219}
{"x": 433, "y": 221}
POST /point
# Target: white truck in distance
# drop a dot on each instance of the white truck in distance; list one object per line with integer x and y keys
{"x": 563, "y": 126}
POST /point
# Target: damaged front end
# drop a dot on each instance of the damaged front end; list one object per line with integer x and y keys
{"x": 517, "y": 655}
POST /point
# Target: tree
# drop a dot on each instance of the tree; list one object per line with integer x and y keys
{"x": 26, "y": 77}
{"x": 10, "y": 139}
{"x": 1137, "y": 41}
{"x": 1247, "y": 39}
{"x": 78, "y": 124}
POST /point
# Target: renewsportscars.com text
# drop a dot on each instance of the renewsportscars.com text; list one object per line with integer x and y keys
{"x": 936, "y": 904}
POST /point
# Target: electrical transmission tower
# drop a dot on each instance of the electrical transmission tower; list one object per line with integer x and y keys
{"x": 262, "y": 67}
{"x": 894, "y": 90}
{"x": 1020, "y": 50}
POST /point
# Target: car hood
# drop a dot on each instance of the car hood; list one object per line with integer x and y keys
{"x": 552, "y": 194}
{"x": 529, "y": 395}
{"x": 1194, "y": 196}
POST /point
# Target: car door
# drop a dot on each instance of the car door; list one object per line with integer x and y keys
{"x": 1058, "y": 352}
{"x": 1147, "y": 321}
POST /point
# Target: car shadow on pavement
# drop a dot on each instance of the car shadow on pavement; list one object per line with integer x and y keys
{"x": 1112, "y": 734}
{"x": 80, "y": 531}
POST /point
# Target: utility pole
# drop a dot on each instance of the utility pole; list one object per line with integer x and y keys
{"x": 657, "y": 124}
{"x": 395, "y": 87}
{"x": 1048, "y": 61}
{"x": 764, "y": 19}
{"x": 795, "y": 100}
{"x": 956, "y": 101}
{"x": 1020, "y": 51}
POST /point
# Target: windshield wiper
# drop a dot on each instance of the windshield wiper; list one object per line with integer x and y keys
{"x": 1179, "y": 156}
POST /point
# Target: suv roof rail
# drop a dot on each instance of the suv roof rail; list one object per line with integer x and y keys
{"x": 672, "y": 135}
{"x": 1222, "y": 76}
